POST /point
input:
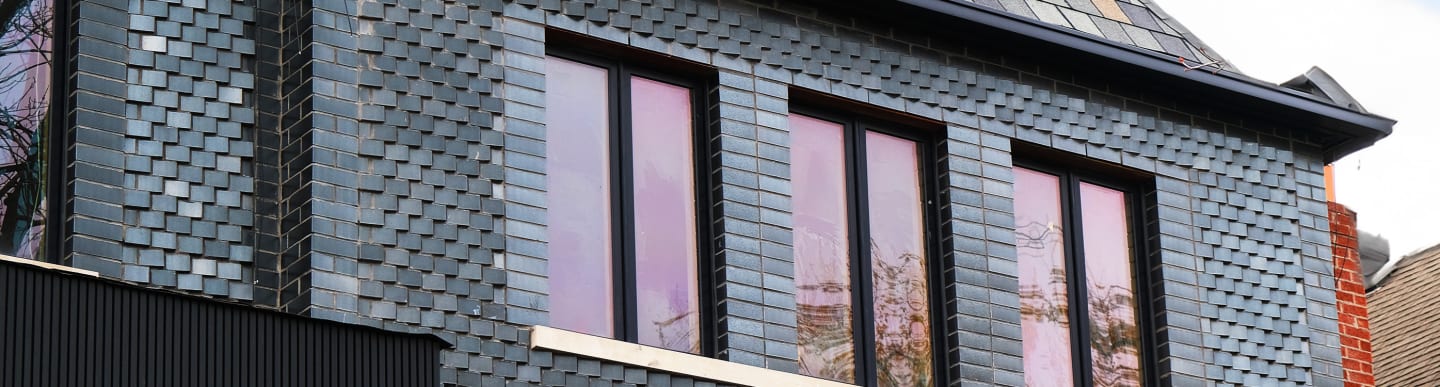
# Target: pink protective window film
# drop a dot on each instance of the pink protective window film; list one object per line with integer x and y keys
{"x": 25, "y": 91}
{"x": 822, "y": 249}
{"x": 1114, "y": 336}
{"x": 666, "y": 256}
{"x": 1044, "y": 300}
{"x": 578, "y": 180}
{"x": 897, "y": 256}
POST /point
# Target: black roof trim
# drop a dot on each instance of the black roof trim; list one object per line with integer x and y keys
{"x": 1357, "y": 129}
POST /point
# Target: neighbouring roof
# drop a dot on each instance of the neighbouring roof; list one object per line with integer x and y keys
{"x": 1374, "y": 254}
{"x": 1139, "y": 23}
{"x": 1319, "y": 83}
{"x": 1405, "y": 322}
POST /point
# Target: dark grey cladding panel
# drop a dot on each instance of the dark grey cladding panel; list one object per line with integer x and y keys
{"x": 393, "y": 168}
{"x": 1221, "y": 189}
{"x": 186, "y": 175}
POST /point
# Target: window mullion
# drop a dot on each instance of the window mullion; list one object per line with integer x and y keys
{"x": 862, "y": 273}
{"x": 1079, "y": 291}
{"x": 625, "y": 324}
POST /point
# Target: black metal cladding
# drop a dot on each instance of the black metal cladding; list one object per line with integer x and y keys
{"x": 59, "y": 329}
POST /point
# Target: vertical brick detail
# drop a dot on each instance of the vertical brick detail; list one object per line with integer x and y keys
{"x": 980, "y": 272}
{"x": 283, "y": 129}
{"x": 1350, "y": 298}
{"x": 754, "y": 264}
{"x": 269, "y": 40}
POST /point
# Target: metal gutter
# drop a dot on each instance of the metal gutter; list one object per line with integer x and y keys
{"x": 1293, "y": 108}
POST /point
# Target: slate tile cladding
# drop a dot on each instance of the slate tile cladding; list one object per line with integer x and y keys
{"x": 162, "y": 159}
{"x": 391, "y": 174}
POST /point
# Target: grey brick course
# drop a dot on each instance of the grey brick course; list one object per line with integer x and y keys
{"x": 173, "y": 141}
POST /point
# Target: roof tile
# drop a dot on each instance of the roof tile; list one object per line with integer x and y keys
{"x": 1018, "y": 7}
{"x": 1140, "y": 16}
{"x": 1112, "y": 30}
{"x": 990, "y": 3}
{"x": 1085, "y": 6}
{"x": 1173, "y": 44}
{"x": 1142, "y": 37}
{"x": 1081, "y": 21}
{"x": 1149, "y": 26}
{"x": 1403, "y": 321}
{"x": 1048, "y": 13}
{"x": 1111, "y": 11}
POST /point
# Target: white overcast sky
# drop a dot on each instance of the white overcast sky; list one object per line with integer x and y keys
{"x": 1386, "y": 53}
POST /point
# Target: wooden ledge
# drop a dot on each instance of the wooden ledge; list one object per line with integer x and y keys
{"x": 50, "y": 266}
{"x": 559, "y": 340}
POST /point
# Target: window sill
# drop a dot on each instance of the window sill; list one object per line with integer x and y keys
{"x": 558, "y": 340}
{"x": 48, "y": 266}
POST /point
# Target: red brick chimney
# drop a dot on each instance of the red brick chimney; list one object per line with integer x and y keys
{"x": 1350, "y": 298}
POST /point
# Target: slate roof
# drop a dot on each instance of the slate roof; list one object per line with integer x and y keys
{"x": 1138, "y": 23}
{"x": 1405, "y": 322}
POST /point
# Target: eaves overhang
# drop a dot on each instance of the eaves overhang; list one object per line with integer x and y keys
{"x": 1344, "y": 130}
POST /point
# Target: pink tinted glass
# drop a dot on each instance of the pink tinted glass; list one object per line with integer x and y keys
{"x": 1044, "y": 302}
{"x": 578, "y": 181}
{"x": 26, "y": 68}
{"x": 1114, "y": 337}
{"x": 822, "y": 252}
{"x": 666, "y": 262}
{"x": 897, "y": 255}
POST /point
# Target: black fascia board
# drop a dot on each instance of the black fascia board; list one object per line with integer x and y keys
{"x": 1356, "y": 130}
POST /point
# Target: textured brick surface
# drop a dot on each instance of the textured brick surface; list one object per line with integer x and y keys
{"x": 1354, "y": 317}
{"x": 392, "y": 154}
{"x": 163, "y": 174}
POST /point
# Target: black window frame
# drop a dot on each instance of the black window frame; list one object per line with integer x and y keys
{"x": 620, "y": 67}
{"x": 855, "y": 126}
{"x": 60, "y": 138}
{"x": 1139, "y": 203}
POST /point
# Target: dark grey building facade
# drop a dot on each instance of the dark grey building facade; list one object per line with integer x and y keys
{"x": 385, "y": 164}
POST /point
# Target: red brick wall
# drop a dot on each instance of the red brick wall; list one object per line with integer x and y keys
{"x": 1350, "y": 298}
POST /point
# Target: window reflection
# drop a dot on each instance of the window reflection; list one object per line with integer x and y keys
{"x": 1114, "y": 336}
{"x": 1044, "y": 298}
{"x": 25, "y": 74}
{"x": 1106, "y": 304}
{"x": 822, "y": 250}
{"x": 666, "y": 259}
{"x": 897, "y": 256}
{"x": 898, "y": 285}
{"x": 578, "y": 178}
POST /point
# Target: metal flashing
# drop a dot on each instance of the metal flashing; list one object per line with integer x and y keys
{"x": 1319, "y": 83}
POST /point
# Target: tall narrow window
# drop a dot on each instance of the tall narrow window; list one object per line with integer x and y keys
{"x": 578, "y": 177}
{"x": 666, "y": 259}
{"x": 863, "y": 317}
{"x": 1071, "y": 231}
{"x": 622, "y": 210}
{"x": 822, "y": 249}
{"x": 26, "y": 48}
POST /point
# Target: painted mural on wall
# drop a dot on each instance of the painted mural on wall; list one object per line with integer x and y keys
{"x": 25, "y": 85}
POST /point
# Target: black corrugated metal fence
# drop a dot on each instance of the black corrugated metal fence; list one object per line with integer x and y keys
{"x": 59, "y": 329}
